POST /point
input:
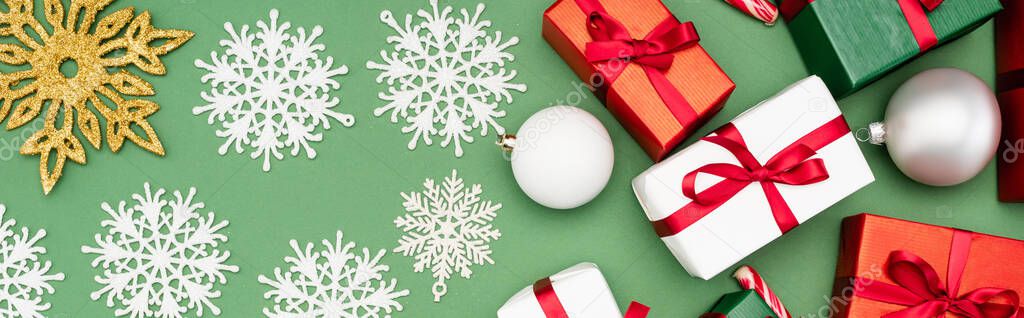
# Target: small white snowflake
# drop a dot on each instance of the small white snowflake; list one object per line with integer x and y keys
{"x": 447, "y": 228}
{"x": 270, "y": 90}
{"x": 25, "y": 279}
{"x": 332, "y": 283}
{"x": 443, "y": 72}
{"x": 160, "y": 257}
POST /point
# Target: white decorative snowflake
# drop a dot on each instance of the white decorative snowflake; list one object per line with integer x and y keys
{"x": 159, "y": 257}
{"x": 443, "y": 72}
{"x": 332, "y": 283}
{"x": 270, "y": 90}
{"x": 447, "y": 228}
{"x": 25, "y": 279}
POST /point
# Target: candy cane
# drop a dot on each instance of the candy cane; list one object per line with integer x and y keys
{"x": 760, "y": 9}
{"x": 750, "y": 279}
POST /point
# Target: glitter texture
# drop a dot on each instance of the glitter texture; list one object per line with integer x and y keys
{"x": 118, "y": 40}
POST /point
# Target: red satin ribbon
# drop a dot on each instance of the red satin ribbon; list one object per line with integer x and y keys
{"x": 548, "y": 300}
{"x": 637, "y": 310}
{"x": 913, "y": 10}
{"x": 789, "y": 166}
{"x": 552, "y": 306}
{"x": 919, "y": 287}
{"x": 611, "y": 41}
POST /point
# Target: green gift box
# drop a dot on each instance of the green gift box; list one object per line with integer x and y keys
{"x": 851, "y": 43}
{"x": 744, "y": 304}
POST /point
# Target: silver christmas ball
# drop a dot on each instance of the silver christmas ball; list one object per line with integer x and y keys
{"x": 942, "y": 127}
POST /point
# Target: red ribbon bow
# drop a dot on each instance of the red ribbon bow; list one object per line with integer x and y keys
{"x": 919, "y": 287}
{"x": 914, "y": 10}
{"x": 552, "y": 306}
{"x": 611, "y": 41}
{"x": 789, "y": 166}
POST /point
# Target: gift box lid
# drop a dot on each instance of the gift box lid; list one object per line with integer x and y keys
{"x": 743, "y": 304}
{"x": 853, "y": 43}
{"x": 581, "y": 289}
{"x": 745, "y": 222}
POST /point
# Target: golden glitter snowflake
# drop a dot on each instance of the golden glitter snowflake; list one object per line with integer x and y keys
{"x": 80, "y": 100}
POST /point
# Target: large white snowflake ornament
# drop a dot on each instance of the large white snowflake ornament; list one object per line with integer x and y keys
{"x": 446, "y": 75}
{"x": 336, "y": 282}
{"x": 25, "y": 278}
{"x": 447, "y": 229}
{"x": 160, "y": 257}
{"x": 270, "y": 90}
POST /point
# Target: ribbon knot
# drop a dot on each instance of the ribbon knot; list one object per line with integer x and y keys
{"x": 919, "y": 287}
{"x": 648, "y": 53}
{"x": 762, "y": 175}
{"x": 611, "y": 41}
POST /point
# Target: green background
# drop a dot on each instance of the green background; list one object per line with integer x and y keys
{"x": 355, "y": 182}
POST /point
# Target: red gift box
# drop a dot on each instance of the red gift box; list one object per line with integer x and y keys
{"x": 646, "y": 66}
{"x": 1010, "y": 67}
{"x": 900, "y": 269}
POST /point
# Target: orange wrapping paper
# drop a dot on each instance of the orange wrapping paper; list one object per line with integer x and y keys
{"x": 868, "y": 240}
{"x": 632, "y": 98}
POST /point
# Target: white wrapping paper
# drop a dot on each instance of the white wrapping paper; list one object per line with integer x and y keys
{"x": 745, "y": 223}
{"x": 582, "y": 290}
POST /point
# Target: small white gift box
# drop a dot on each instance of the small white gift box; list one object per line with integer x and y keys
{"x": 577, "y": 292}
{"x": 772, "y": 168}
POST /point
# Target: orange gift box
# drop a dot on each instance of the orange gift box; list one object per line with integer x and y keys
{"x": 631, "y": 97}
{"x": 866, "y": 260}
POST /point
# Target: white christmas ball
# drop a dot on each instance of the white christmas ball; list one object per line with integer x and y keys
{"x": 942, "y": 127}
{"x": 562, "y": 157}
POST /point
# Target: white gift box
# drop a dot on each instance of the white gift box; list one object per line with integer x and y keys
{"x": 745, "y": 222}
{"x": 581, "y": 289}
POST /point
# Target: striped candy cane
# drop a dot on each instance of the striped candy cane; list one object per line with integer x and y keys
{"x": 760, "y": 9}
{"x": 750, "y": 279}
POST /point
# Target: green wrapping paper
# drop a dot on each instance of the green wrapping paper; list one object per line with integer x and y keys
{"x": 851, "y": 43}
{"x": 744, "y": 304}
